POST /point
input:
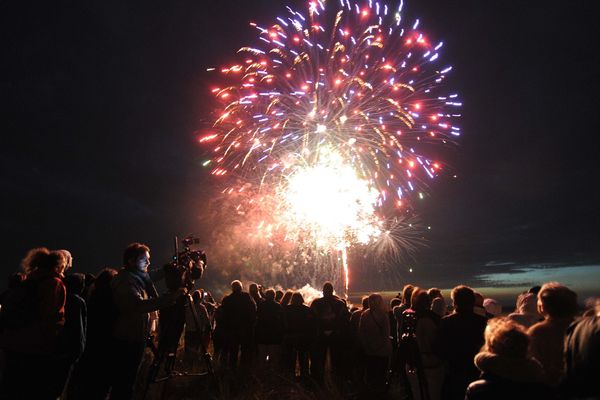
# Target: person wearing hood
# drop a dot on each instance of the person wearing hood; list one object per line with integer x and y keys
{"x": 507, "y": 369}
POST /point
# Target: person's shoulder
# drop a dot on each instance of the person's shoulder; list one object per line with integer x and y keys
{"x": 317, "y": 301}
{"x": 537, "y": 329}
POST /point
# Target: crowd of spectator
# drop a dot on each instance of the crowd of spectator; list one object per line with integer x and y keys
{"x": 84, "y": 337}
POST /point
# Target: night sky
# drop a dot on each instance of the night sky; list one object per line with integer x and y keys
{"x": 101, "y": 100}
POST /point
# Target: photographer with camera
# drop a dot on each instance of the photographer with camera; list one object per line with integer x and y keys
{"x": 135, "y": 297}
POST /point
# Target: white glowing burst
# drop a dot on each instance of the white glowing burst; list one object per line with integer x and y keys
{"x": 328, "y": 200}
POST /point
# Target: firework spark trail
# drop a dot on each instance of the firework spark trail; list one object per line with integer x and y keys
{"x": 348, "y": 80}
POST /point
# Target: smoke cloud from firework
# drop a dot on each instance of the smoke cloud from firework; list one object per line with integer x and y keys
{"x": 327, "y": 130}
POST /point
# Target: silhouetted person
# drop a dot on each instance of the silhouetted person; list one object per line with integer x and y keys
{"x": 357, "y": 356}
{"x": 332, "y": 318}
{"x": 558, "y": 304}
{"x": 374, "y": 334}
{"x": 459, "y": 338}
{"x": 269, "y": 329}
{"x": 197, "y": 329}
{"x": 91, "y": 375}
{"x": 507, "y": 369}
{"x": 73, "y": 337}
{"x": 32, "y": 326}
{"x": 299, "y": 333}
{"x": 582, "y": 356}
{"x": 239, "y": 317}
{"x": 425, "y": 371}
{"x": 405, "y": 305}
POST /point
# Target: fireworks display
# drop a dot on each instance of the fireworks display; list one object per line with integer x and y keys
{"x": 336, "y": 119}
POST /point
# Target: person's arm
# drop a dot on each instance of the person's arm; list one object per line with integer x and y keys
{"x": 130, "y": 300}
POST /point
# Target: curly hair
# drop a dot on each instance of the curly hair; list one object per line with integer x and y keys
{"x": 506, "y": 338}
{"x": 33, "y": 259}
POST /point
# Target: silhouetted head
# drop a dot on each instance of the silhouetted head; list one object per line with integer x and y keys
{"x": 270, "y": 294}
{"x": 253, "y": 289}
{"x": 419, "y": 301}
{"x": 236, "y": 286}
{"x": 278, "y": 295}
{"x": 376, "y": 303}
{"x": 297, "y": 298}
{"x": 287, "y": 296}
{"x": 434, "y": 293}
{"x": 197, "y": 296}
{"x": 74, "y": 283}
{"x": 327, "y": 289}
{"x": 463, "y": 298}
{"x": 407, "y": 293}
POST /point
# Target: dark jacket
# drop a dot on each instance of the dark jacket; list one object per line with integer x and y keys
{"x": 331, "y": 314}
{"x": 239, "y": 313}
{"x": 582, "y": 358}
{"x": 75, "y": 331}
{"x": 269, "y": 322}
{"x": 299, "y": 322}
{"x": 508, "y": 378}
{"x": 130, "y": 291}
{"x": 458, "y": 340}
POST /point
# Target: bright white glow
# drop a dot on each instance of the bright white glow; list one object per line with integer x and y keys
{"x": 331, "y": 202}
{"x": 321, "y": 128}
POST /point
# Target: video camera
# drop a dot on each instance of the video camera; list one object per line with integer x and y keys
{"x": 187, "y": 265}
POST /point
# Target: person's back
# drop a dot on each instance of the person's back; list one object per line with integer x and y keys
{"x": 331, "y": 314}
{"x": 332, "y": 319}
{"x": 582, "y": 356}
{"x": 558, "y": 304}
{"x": 90, "y": 375}
{"x": 239, "y": 311}
{"x": 298, "y": 320}
{"x": 459, "y": 338}
{"x": 269, "y": 322}
{"x": 507, "y": 369}
{"x": 238, "y": 316}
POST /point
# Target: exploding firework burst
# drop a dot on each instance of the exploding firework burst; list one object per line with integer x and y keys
{"x": 360, "y": 81}
{"x": 335, "y": 119}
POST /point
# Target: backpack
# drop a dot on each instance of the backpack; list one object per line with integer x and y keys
{"x": 19, "y": 304}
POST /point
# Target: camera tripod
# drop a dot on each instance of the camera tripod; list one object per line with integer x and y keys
{"x": 168, "y": 341}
